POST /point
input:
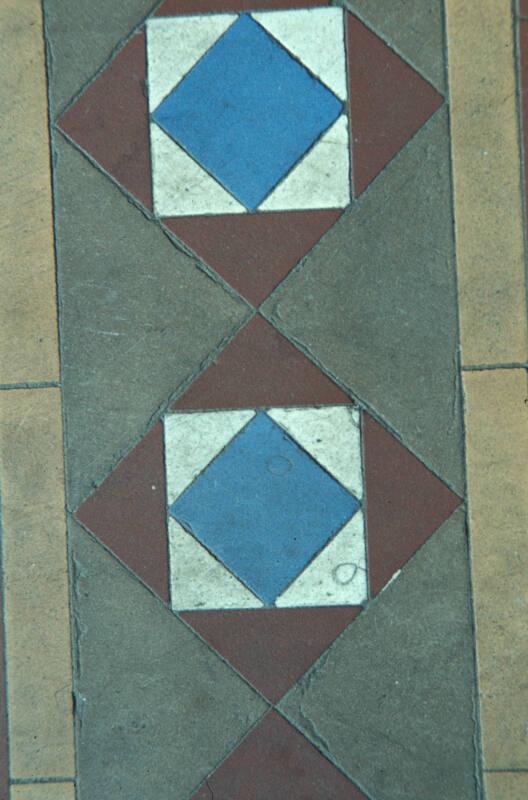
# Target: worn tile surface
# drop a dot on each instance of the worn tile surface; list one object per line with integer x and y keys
{"x": 264, "y": 470}
{"x": 398, "y": 726}
{"x": 506, "y": 785}
{"x": 157, "y": 710}
{"x": 28, "y": 336}
{"x": 497, "y": 440}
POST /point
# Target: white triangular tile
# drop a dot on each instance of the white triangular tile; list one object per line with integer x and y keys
{"x": 193, "y": 440}
{"x": 180, "y": 186}
{"x": 332, "y": 435}
{"x": 321, "y": 179}
{"x": 337, "y": 576}
{"x": 174, "y": 45}
{"x": 316, "y": 36}
{"x": 198, "y": 580}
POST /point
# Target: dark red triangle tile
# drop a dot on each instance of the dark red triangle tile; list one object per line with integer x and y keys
{"x": 272, "y": 647}
{"x": 127, "y": 512}
{"x": 405, "y": 503}
{"x": 173, "y": 7}
{"x": 275, "y": 762}
{"x": 254, "y": 252}
{"x": 389, "y": 102}
{"x": 259, "y": 367}
{"x": 110, "y": 120}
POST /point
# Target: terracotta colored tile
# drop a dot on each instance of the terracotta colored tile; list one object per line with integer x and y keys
{"x": 110, "y": 120}
{"x": 43, "y": 791}
{"x": 260, "y": 367}
{"x": 28, "y": 334}
{"x": 273, "y": 647}
{"x": 127, "y": 512}
{"x": 172, "y": 7}
{"x": 496, "y": 447}
{"x": 486, "y": 168}
{"x": 36, "y": 584}
{"x": 506, "y": 785}
{"x": 253, "y": 252}
{"x": 523, "y": 8}
{"x": 274, "y": 760}
{"x": 4, "y": 754}
{"x": 389, "y": 102}
{"x": 405, "y": 503}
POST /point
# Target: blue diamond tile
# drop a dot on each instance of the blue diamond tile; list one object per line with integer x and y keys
{"x": 248, "y": 111}
{"x": 264, "y": 508}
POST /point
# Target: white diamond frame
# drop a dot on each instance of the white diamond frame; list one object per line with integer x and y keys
{"x": 321, "y": 179}
{"x": 332, "y": 436}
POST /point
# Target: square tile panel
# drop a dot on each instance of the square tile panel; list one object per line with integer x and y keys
{"x": 247, "y": 112}
{"x": 265, "y": 508}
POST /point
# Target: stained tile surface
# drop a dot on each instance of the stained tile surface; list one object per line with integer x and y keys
{"x": 257, "y": 298}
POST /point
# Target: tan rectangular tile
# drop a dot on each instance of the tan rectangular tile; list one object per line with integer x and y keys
{"x": 43, "y": 791}
{"x": 506, "y": 785}
{"x": 35, "y": 584}
{"x": 28, "y": 333}
{"x": 487, "y": 184}
{"x": 497, "y": 463}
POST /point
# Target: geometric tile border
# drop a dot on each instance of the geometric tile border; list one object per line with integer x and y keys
{"x": 110, "y": 123}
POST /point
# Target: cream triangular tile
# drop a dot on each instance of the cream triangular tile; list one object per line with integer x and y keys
{"x": 316, "y": 36}
{"x": 193, "y": 440}
{"x": 198, "y": 580}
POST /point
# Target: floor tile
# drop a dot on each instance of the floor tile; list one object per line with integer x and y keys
{"x": 253, "y": 252}
{"x": 43, "y": 791}
{"x": 399, "y": 683}
{"x": 486, "y": 168}
{"x": 81, "y": 42}
{"x": 506, "y": 785}
{"x": 28, "y": 337}
{"x": 387, "y": 111}
{"x": 522, "y": 32}
{"x": 280, "y": 508}
{"x": 171, "y": 7}
{"x": 275, "y": 761}
{"x": 414, "y": 28}
{"x": 251, "y": 371}
{"x": 379, "y": 313}
{"x": 496, "y": 446}
{"x": 36, "y": 584}
{"x": 403, "y": 497}
{"x": 4, "y": 753}
{"x": 128, "y": 512}
{"x": 110, "y": 121}
{"x": 138, "y": 319}
{"x": 316, "y": 37}
{"x": 523, "y": 8}
{"x": 158, "y": 710}
{"x": 272, "y": 648}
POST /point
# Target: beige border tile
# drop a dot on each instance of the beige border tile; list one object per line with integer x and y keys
{"x": 487, "y": 181}
{"x": 43, "y": 791}
{"x": 506, "y": 785}
{"x": 28, "y": 333}
{"x": 497, "y": 466}
{"x": 36, "y": 584}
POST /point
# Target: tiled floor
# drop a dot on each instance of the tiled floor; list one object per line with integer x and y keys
{"x": 263, "y": 504}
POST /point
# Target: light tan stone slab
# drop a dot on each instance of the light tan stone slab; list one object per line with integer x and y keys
{"x": 506, "y": 785}
{"x": 487, "y": 182}
{"x": 497, "y": 465}
{"x": 43, "y": 791}
{"x": 35, "y": 584}
{"x": 28, "y": 333}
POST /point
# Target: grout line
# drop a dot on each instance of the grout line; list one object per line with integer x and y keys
{"x": 37, "y": 385}
{"x": 487, "y": 367}
{"x": 30, "y": 781}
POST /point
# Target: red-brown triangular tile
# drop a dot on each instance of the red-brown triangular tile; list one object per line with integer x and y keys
{"x": 259, "y": 367}
{"x": 276, "y": 762}
{"x": 110, "y": 120}
{"x": 405, "y": 503}
{"x": 389, "y": 102}
{"x": 173, "y": 7}
{"x": 272, "y": 647}
{"x": 127, "y": 512}
{"x": 254, "y": 252}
